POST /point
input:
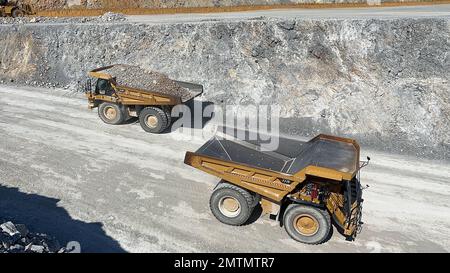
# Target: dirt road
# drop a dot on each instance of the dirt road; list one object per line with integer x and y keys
{"x": 116, "y": 188}
{"x": 442, "y": 10}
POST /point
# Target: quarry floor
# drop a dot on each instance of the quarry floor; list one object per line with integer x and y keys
{"x": 117, "y": 188}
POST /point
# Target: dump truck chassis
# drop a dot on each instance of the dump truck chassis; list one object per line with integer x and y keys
{"x": 151, "y": 107}
{"x": 161, "y": 117}
{"x": 329, "y": 207}
{"x": 334, "y": 193}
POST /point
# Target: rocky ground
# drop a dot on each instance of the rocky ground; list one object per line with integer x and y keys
{"x": 107, "y": 17}
{"x": 383, "y": 81}
{"x": 65, "y": 173}
{"x": 16, "y": 238}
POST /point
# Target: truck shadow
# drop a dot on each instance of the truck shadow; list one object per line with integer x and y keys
{"x": 195, "y": 106}
{"x": 256, "y": 214}
{"x": 192, "y": 105}
{"x": 43, "y": 215}
{"x": 132, "y": 120}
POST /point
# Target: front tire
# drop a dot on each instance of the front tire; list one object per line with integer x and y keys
{"x": 307, "y": 224}
{"x": 153, "y": 120}
{"x": 111, "y": 113}
{"x": 231, "y": 204}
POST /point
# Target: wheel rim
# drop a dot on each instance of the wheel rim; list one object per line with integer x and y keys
{"x": 151, "y": 121}
{"x": 306, "y": 225}
{"x": 18, "y": 13}
{"x": 229, "y": 206}
{"x": 110, "y": 113}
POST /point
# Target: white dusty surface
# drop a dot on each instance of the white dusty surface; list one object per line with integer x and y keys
{"x": 116, "y": 188}
{"x": 339, "y": 13}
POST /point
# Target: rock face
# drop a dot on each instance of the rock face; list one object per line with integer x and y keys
{"x": 383, "y": 81}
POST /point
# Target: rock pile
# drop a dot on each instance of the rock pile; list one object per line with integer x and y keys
{"x": 16, "y": 238}
{"x": 140, "y": 78}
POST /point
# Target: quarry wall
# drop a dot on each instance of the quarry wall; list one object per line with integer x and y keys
{"x": 382, "y": 81}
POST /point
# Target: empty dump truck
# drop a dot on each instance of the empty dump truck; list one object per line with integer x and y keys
{"x": 302, "y": 184}
{"x": 125, "y": 91}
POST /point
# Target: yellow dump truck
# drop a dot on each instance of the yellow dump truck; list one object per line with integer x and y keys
{"x": 14, "y": 9}
{"x": 302, "y": 184}
{"x": 124, "y": 91}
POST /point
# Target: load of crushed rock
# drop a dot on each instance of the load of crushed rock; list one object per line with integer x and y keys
{"x": 16, "y": 238}
{"x": 144, "y": 79}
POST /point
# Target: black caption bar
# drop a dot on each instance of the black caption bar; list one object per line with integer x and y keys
{"x": 238, "y": 262}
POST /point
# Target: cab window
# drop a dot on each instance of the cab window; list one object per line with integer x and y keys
{"x": 104, "y": 87}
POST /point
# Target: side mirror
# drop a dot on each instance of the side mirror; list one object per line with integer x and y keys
{"x": 88, "y": 86}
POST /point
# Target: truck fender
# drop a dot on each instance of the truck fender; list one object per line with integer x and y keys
{"x": 256, "y": 197}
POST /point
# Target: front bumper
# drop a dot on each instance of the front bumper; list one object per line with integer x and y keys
{"x": 346, "y": 209}
{"x": 353, "y": 208}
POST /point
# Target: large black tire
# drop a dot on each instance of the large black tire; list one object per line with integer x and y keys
{"x": 17, "y": 13}
{"x": 231, "y": 204}
{"x": 168, "y": 113}
{"x": 153, "y": 120}
{"x": 111, "y": 113}
{"x": 307, "y": 224}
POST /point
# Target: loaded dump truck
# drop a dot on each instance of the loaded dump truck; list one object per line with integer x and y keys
{"x": 125, "y": 91}
{"x": 302, "y": 184}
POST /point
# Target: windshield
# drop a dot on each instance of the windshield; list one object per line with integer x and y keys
{"x": 104, "y": 87}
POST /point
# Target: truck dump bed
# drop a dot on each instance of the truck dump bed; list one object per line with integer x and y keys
{"x": 149, "y": 81}
{"x": 291, "y": 157}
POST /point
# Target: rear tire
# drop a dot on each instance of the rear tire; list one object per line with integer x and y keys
{"x": 307, "y": 224}
{"x": 231, "y": 204}
{"x": 17, "y": 13}
{"x": 153, "y": 120}
{"x": 111, "y": 113}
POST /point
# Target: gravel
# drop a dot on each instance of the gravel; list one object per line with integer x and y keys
{"x": 144, "y": 79}
{"x": 108, "y": 17}
{"x": 16, "y": 238}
